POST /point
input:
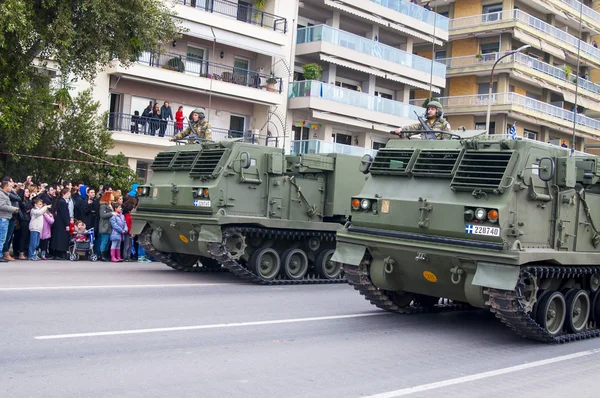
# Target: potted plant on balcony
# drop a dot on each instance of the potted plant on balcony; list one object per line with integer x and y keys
{"x": 567, "y": 69}
{"x": 479, "y": 56}
{"x": 175, "y": 64}
{"x": 311, "y": 71}
{"x": 271, "y": 81}
{"x": 259, "y": 5}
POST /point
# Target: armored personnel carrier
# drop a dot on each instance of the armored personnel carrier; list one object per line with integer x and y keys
{"x": 267, "y": 217}
{"x": 492, "y": 222}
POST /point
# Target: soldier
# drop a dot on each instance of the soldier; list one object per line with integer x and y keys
{"x": 199, "y": 128}
{"x": 435, "y": 120}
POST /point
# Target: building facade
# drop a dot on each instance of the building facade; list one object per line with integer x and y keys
{"x": 366, "y": 49}
{"x": 234, "y": 60}
{"x": 535, "y": 89}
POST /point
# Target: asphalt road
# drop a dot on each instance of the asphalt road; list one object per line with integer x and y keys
{"x": 73, "y": 329}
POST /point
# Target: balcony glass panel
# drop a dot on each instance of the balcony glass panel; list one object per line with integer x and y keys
{"x": 346, "y": 96}
{"x": 517, "y": 15}
{"x": 369, "y": 47}
{"x": 415, "y": 11}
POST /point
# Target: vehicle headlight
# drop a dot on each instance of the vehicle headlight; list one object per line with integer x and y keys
{"x": 365, "y": 204}
{"x": 469, "y": 215}
{"x": 145, "y": 191}
{"x": 480, "y": 214}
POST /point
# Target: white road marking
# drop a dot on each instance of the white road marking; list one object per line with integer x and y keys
{"x": 202, "y": 327}
{"x": 33, "y": 288}
{"x": 484, "y": 375}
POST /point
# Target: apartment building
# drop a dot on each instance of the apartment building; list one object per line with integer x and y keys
{"x": 234, "y": 60}
{"x": 366, "y": 49}
{"x": 534, "y": 89}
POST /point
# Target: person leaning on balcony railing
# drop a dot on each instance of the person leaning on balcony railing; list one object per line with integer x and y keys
{"x": 198, "y": 127}
{"x": 434, "y": 116}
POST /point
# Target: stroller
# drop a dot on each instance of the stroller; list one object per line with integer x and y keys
{"x": 82, "y": 244}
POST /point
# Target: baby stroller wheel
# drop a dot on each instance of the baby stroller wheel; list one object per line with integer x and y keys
{"x": 73, "y": 257}
{"x": 93, "y": 257}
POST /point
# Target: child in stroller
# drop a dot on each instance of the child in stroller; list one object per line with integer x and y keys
{"x": 82, "y": 243}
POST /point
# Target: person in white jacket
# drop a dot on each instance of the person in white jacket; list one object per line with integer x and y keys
{"x": 35, "y": 227}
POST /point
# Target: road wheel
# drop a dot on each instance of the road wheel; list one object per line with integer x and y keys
{"x": 185, "y": 260}
{"x": 325, "y": 267}
{"x": 295, "y": 263}
{"x": 578, "y": 311}
{"x": 551, "y": 312}
{"x": 265, "y": 263}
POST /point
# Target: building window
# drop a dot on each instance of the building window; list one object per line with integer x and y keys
{"x": 377, "y": 145}
{"x": 237, "y": 123}
{"x": 441, "y": 54}
{"x": 384, "y": 95}
{"x": 300, "y": 133}
{"x": 492, "y": 12}
{"x": 481, "y": 126}
{"x": 532, "y": 135}
{"x": 343, "y": 139}
{"x": 141, "y": 168}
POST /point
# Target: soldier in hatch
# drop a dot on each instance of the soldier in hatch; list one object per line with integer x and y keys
{"x": 434, "y": 120}
{"x": 198, "y": 127}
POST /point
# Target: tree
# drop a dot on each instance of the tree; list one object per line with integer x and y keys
{"x": 76, "y": 133}
{"x": 75, "y": 37}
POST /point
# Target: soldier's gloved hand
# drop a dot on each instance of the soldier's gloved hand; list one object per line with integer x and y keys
{"x": 399, "y": 130}
{"x": 172, "y": 139}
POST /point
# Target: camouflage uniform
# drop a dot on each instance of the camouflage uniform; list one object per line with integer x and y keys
{"x": 201, "y": 129}
{"x": 435, "y": 124}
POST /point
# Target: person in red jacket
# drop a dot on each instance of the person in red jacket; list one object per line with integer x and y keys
{"x": 129, "y": 204}
{"x": 179, "y": 118}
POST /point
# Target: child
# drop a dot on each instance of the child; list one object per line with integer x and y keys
{"x": 46, "y": 233}
{"x": 119, "y": 227}
{"x": 36, "y": 227}
{"x": 79, "y": 232}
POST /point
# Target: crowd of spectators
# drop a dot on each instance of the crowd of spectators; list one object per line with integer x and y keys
{"x": 41, "y": 221}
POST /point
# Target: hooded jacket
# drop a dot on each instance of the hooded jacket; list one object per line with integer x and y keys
{"x": 6, "y": 208}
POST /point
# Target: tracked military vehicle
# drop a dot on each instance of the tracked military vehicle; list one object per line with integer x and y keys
{"x": 510, "y": 225}
{"x": 267, "y": 217}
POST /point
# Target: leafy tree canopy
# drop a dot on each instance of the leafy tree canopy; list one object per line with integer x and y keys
{"x": 77, "y": 38}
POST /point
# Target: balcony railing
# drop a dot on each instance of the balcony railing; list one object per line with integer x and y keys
{"x": 415, "y": 11}
{"x": 301, "y": 147}
{"x": 515, "y": 99}
{"x": 346, "y": 96}
{"x": 587, "y": 11}
{"x": 240, "y": 12}
{"x": 517, "y": 15}
{"x": 211, "y": 70}
{"x": 369, "y": 47}
{"x": 534, "y": 63}
{"x": 168, "y": 128}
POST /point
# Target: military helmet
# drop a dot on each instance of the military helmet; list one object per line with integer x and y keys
{"x": 200, "y": 111}
{"x": 436, "y": 105}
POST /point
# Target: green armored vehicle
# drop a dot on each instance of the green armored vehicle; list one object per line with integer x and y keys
{"x": 267, "y": 217}
{"x": 489, "y": 222}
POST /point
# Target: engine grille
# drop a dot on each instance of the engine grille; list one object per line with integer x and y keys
{"x": 432, "y": 163}
{"x": 482, "y": 170}
{"x": 184, "y": 160}
{"x": 391, "y": 161}
{"x": 207, "y": 162}
{"x": 162, "y": 161}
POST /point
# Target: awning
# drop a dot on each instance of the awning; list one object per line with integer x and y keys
{"x": 538, "y": 43}
{"x": 382, "y": 21}
{"x": 234, "y": 39}
{"x": 377, "y": 72}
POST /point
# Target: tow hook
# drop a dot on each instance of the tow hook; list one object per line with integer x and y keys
{"x": 457, "y": 274}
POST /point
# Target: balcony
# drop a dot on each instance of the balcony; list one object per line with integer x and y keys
{"x": 145, "y": 129}
{"x": 301, "y": 147}
{"x": 544, "y": 114}
{"x": 527, "y": 29}
{"x": 532, "y": 70}
{"x": 401, "y": 15}
{"x": 179, "y": 71}
{"x": 240, "y": 12}
{"x": 376, "y": 56}
{"x": 573, "y": 8}
{"x": 356, "y": 108}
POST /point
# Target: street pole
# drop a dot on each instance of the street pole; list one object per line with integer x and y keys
{"x": 489, "y": 109}
{"x": 577, "y": 78}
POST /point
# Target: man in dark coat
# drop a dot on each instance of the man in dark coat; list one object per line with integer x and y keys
{"x": 60, "y": 228}
{"x": 88, "y": 213}
{"x": 165, "y": 115}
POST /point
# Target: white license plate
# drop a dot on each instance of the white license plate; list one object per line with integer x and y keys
{"x": 481, "y": 230}
{"x": 202, "y": 203}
